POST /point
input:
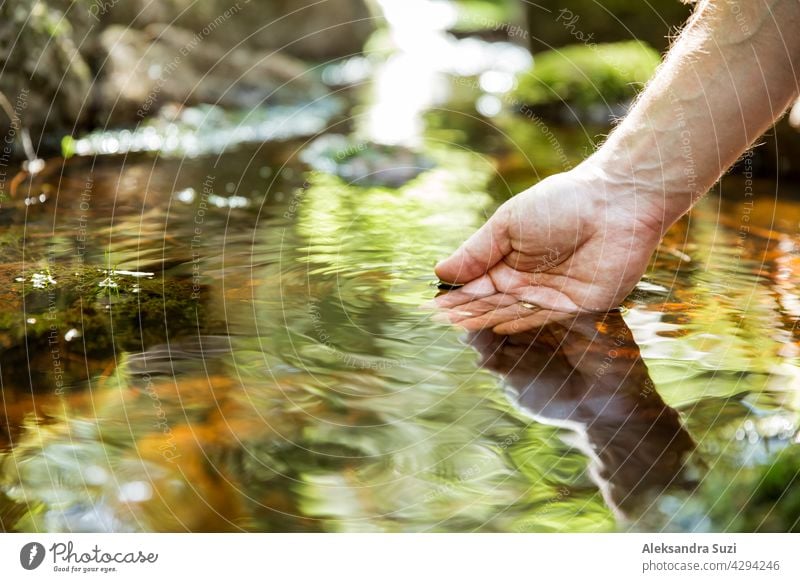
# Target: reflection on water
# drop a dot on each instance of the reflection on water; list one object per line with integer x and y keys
{"x": 235, "y": 342}
{"x": 586, "y": 375}
{"x": 272, "y": 370}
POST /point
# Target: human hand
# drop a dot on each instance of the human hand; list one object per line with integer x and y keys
{"x": 577, "y": 241}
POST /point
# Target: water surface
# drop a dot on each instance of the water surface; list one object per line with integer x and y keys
{"x": 233, "y": 340}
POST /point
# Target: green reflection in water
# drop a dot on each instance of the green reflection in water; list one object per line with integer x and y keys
{"x": 312, "y": 393}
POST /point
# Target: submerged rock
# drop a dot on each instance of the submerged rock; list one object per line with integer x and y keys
{"x": 365, "y": 163}
{"x": 60, "y": 324}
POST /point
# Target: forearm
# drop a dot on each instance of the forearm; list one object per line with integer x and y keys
{"x": 733, "y": 71}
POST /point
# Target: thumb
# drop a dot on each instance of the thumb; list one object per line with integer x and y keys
{"x": 479, "y": 253}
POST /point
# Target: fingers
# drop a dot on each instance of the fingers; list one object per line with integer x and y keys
{"x": 477, "y": 289}
{"x": 486, "y": 312}
{"x": 479, "y": 253}
{"x": 533, "y": 321}
{"x": 549, "y": 298}
{"x": 502, "y": 312}
{"x": 492, "y": 319}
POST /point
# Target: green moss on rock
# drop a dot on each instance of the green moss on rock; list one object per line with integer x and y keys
{"x": 61, "y": 321}
{"x": 586, "y": 75}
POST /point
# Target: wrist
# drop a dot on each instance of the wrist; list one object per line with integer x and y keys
{"x": 658, "y": 191}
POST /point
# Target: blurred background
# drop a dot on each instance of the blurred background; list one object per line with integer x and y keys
{"x": 87, "y": 64}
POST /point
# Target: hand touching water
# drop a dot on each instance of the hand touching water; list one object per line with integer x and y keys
{"x": 579, "y": 241}
{"x": 575, "y": 242}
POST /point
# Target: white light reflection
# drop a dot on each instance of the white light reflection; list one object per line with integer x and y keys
{"x": 414, "y": 78}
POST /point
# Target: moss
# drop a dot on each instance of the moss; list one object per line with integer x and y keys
{"x": 62, "y": 320}
{"x": 583, "y": 75}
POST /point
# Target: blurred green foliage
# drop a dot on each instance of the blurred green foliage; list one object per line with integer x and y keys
{"x": 554, "y": 24}
{"x": 586, "y": 74}
{"x": 767, "y": 495}
{"x": 476, "y": 15}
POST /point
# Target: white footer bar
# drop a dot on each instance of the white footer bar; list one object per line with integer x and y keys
{"x": 401, "y": 557}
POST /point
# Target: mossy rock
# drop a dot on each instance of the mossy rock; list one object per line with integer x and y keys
{"x": 60, "y": 322}
{"x": 587, "y": 76}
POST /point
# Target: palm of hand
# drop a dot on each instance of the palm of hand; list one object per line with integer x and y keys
{"x": 556, "y": 247}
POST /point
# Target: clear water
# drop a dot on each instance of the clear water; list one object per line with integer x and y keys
{"x": 235, "y": 341}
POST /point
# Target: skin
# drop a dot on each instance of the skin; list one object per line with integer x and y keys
{"x": 581, "y": 240}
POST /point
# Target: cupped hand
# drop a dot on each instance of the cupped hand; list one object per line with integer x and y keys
{"x": 575, "y": 242}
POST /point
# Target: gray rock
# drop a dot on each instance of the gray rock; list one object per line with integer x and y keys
{"x": 45, "y": 76}
{"x": 307, "y": 29}
{"x": 146, "y": 69}
{"x": 67, "y": 66}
